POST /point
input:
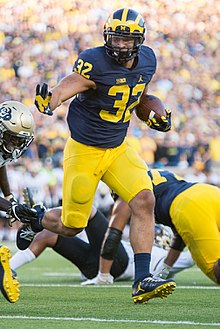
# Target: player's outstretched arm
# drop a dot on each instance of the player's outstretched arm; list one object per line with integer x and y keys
{"x": 4, "y": 204}
{"x": 4, "y": 183}
{"x": 165, "y": 266}
{"x": 47, "y": 100}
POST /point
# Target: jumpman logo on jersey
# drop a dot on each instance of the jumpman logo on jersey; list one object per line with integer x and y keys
{"x": 140, "y": 78}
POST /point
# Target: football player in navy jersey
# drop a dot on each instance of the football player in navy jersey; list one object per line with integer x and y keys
{"x": 107, "y": 83}
{"x": 192, "y": 210}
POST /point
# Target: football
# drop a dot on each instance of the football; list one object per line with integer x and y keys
{"x": 149, "y": 107}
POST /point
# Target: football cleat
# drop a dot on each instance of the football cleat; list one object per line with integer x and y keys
{"x": 25, "y": 235}
{"x": 9, "y": 284}
{"x": 28, "y": 197}
{"x": 152, "y": 288}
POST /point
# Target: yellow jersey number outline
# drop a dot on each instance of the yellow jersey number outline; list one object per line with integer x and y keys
{"x": 158, "y": 178}
{"x": 121, "y": 104}
{"x": 83, "y": 67}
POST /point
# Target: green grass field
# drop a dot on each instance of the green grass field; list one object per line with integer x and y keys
{"x": 51, "y": 297}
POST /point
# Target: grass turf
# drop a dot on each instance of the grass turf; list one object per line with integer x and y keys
{"x": 51, "y": 297}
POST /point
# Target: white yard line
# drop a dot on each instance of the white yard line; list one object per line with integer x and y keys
{"x": 107, "y": 286}
{"x": 214, "y": 324}
{"x": 57, "y": 274}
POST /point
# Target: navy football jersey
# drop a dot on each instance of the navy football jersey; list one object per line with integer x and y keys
{"x": 101, "y": 117}
{"x": 166, "y": 187}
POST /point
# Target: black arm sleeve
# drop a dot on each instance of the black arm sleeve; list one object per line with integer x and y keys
{"x": 4, "y": 204}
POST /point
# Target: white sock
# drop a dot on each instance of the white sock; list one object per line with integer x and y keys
{"x": 103, "y": 276}
{"x": 21, "y": 258}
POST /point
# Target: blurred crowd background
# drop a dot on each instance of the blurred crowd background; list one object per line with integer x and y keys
{"x": 39, "y": 42}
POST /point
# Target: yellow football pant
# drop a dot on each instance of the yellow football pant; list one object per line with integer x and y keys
{"x": 196, "y": 216}
{"x": 120, "y": 168}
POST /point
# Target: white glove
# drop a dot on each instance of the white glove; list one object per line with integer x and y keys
{"x": 101, "y": 278}
{"x": 162, "y": 270}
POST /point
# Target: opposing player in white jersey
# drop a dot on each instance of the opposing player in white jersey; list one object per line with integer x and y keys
{"x": 16, "y": 134}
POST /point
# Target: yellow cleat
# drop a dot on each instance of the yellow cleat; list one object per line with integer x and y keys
{"x": 9, "y": 285}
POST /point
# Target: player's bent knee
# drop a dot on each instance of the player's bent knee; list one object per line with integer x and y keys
{"x": 144, "y": 199}
{"x": 111, "y": 243}
{"x": 76, "y": 220}
{"x": 53, "y": 214}
{"x": 69, "y": 232}
{"x": 147, "y": 196}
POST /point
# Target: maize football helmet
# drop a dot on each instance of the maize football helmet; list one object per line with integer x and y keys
{"x": 163, "y": 236}
{"x": 124, "y": 23}
{"x": 16, "y": 130}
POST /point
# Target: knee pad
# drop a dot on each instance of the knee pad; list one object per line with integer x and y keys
{"x": 82, "y": 189}
{"x": 111, "y": 243}
{"x": 74, "y": 219}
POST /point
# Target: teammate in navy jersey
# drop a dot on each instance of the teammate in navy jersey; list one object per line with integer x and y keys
{"x": 192, "y": 210}
{"x": 107, "y": 83}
